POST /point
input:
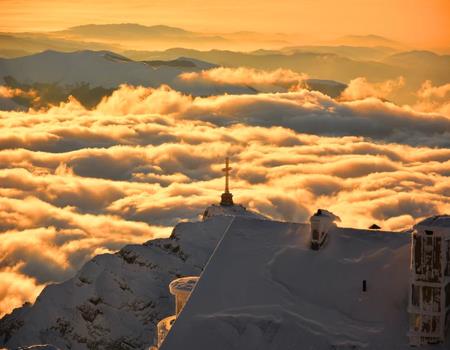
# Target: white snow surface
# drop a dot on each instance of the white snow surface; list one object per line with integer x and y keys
{"x": 115, "y": 301}
{"x": 109, "y": 70}
{"x": 264, "y": 288}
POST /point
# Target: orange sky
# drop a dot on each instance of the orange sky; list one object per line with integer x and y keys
{"x": 421, "y": 23}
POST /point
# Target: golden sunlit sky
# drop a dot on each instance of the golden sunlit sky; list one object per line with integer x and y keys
{"x": 420, "y": 23}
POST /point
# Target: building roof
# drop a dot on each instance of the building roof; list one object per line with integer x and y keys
{"x": 441, "y": 221}
{"x": 264, "y": 288}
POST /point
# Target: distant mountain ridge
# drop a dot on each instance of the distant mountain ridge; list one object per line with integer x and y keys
{"x": 132, "y": 36}
{"x": 108, "y": 30}
{"x": 108, "y": 70}
{"x": 133, "y": 32}
{"x": 369, "y": 40}
{"x": 90, "y": 75}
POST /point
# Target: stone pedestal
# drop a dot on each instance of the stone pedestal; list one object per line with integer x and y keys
{"x": 227, "y": 199}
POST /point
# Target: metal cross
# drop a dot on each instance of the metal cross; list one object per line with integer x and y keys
{"x": 227, "y": 170}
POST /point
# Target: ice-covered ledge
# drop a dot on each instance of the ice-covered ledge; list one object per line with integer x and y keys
{"x": 232, "y": 210}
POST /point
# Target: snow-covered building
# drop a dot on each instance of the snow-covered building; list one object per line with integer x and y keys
{"x": 429, "y": 301}
{"x": 264, "y": 288}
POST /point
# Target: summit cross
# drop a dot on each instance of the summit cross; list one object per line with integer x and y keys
{"x": 227, "y": 170}
{"x": 227, "y": 197}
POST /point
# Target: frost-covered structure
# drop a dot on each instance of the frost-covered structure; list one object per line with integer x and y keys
{"x": 181, "y": 288}
{"x": 321, "y": 222}
{"x": 429, "y": 301}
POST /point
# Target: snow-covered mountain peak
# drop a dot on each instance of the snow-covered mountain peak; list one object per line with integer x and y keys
{"x": 109, "y": 70}
{"x": 115, "y": 300}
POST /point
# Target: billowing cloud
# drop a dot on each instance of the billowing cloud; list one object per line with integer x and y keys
{"x": 361, "y": 88}
{"x": 8, "y": 97}
{"x": 8, "y": 92}
{"x": 16, "y": 288}
{"x": 285, "y": 78}
{"x": 75, "y": 183}
{"x": 433, "y": 98}
{"x": 303, "y": 111}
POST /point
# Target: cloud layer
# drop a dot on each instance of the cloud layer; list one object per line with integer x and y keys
{"x": 361, "y": 88}
{"x": 75, "y": 183}
{"x": 433, "y": 98}
{"x": 262, "y": 79}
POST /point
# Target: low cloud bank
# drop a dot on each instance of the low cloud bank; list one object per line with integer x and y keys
{"x": 361, "y": 88}
{"x": 302, "y": 111}
{"x": 248, "y": 76}
{"x": 75, "y": 183}
{"x": 433, "y": 98}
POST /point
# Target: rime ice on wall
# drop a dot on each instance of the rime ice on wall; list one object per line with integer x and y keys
{"x": 429, "y": 299}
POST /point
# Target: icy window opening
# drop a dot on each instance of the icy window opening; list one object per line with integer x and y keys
{"x": 447, "y": 295}
{"x": 415, "y": 295}
{"x": 447, "y": 271}
{"x": 418, "y": 254}
{"x": 431, "y": 299}
{"x": 315, "y": 235}
{"x": 447, "y": 320}
{"x": 415, "y": 321}
{"x": 430, "y": 324}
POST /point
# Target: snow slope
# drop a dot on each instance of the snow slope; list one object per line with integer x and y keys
{"x": 109, "y": 70}
{"x": 264, "y": 288}
{"x": 116, "y": 300}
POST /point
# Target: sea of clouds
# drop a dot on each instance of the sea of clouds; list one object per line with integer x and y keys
{"x": 75, "y": 183}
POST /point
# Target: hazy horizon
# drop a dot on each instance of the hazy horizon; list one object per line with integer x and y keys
{"x": 417, "y": 24}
